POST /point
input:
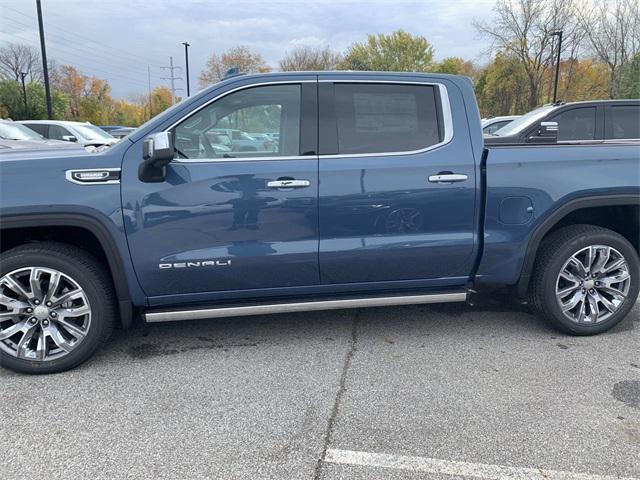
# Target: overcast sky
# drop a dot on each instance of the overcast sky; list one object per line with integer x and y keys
{"x": 116, "y": 39}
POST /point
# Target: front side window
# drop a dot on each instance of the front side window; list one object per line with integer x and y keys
{"x": 576, "y": 124}
{"x": 490, "y": 129}
{"x": 56, "y": 132}
{"x": 624, "y": 122}
{"x": 220, "y": 129}
{"x": 382, "y": 118}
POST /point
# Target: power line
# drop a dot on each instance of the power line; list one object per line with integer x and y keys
{"x": 72, "y": 48}
{"x": 124, "y": 75}
{"x": 66, "y": 32}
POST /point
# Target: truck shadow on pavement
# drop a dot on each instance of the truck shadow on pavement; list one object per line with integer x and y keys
{"x": 494, "y": 316}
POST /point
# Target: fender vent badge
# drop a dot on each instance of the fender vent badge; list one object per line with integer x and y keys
{"x": 94, "y": 176}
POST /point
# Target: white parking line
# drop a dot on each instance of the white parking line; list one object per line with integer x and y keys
{"x": 446, "y": 467}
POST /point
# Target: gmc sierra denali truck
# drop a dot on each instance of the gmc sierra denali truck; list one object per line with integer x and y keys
{"x": 380, "y": 192}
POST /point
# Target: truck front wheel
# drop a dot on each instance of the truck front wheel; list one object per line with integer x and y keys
{"x": 586, "y": 279}
{"x": 56, "y": 307}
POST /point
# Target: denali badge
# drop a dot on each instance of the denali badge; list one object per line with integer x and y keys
{"x": 200, "y": 263}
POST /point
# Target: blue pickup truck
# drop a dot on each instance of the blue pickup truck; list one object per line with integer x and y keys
{"x": 380, "y": 192}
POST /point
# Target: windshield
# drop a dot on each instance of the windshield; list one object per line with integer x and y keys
{"x": 524, "y": 121}
{"x": 16, "y": 131}
{"x": 91, "y": 132}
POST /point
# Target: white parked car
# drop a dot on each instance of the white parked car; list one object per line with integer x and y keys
{"x": 15, "y": 135}
{"x": 492, "y": 124}
{"x": 84, "y": 133}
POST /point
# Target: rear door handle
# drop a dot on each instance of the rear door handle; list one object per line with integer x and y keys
{"x": 288, "y": 183}
{"x": 448, "y": 178}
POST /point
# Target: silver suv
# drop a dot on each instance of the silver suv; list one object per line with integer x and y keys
{"x": 84, "y": 133}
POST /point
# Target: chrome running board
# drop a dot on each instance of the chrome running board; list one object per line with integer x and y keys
{"x": 155, "y": 316}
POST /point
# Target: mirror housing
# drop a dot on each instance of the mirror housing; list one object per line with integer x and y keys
{"x": 69, "y": 138}
{"x": 157, "y": 152}
{"x": 547, "y": 133}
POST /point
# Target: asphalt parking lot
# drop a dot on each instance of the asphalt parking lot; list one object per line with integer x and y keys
{"x": 441, "y": 391}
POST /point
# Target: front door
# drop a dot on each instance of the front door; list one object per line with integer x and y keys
{"x": 397, "y": 186}
{"x": 232, "y": 214}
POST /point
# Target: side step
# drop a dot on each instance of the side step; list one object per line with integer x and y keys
{"x": 197, "y": 313}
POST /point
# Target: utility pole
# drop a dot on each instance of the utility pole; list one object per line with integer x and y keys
{"x": 186, "y": 59}
{"x": 172, "y": 78}
{"x": 150, "y": 100}
{"x": 45, "y": 69}
{"x": 24, "y": 94}
{"x": 557, "y": 33}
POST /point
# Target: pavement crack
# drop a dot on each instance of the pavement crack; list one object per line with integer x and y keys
{"x": 353, "y": 347}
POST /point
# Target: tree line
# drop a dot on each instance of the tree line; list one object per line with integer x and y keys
{"x": 600, "y": 59}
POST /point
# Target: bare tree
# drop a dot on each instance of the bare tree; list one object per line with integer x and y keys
{"x": 613, "y": 33}
{"x": 310, "y": 58}
{"x": 240, "y": 57}
{"x": 16, "y": 58}
{"x": 523, "y": 28}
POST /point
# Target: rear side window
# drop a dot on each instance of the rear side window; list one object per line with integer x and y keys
{"x": 382, "y": 118}
{"x": 576, "y": 124}
{"x": 623, "y": 122}
{"x": 38, "y": 127}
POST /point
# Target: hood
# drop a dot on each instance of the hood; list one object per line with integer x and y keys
{"x": 48, "y": 145}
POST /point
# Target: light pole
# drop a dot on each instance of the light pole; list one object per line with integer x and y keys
{"x": 24, "y": 95}
{"x": 45, "y": 69}
{"x": 186, "y": 59}
{"x": 558, "y": 34}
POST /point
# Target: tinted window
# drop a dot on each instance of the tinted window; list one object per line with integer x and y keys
{"x": 38, "y": 127}
{"x": 377, "y": 118}
{"x": 219, "y": 130}
{"x": 576, "y": 124}
{"x": 623, "y": 121}
{"x": 56, "y": 132}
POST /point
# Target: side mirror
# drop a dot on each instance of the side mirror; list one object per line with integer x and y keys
{"x": 547, "y": 133}
{"x": 157, "y": 151}
{"x": 69, "y": 138}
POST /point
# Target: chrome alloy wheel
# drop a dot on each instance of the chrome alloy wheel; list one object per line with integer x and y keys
{"x": 44, "y": 314}
{"x": 593, "y": 284}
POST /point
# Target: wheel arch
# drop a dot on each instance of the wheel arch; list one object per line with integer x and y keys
{"x": 21, "y": 225}
{"x": 594, "y": 210}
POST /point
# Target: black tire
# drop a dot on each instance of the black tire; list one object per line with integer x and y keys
{"x": 86, "y": 271}
{"x": 554, "y": 252}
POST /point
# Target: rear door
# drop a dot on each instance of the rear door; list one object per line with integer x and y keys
{"x": 397, "y": 184}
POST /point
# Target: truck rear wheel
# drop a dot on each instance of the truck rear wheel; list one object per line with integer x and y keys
{"x": 57, "y": 307}
{"x": 586, "y": 279}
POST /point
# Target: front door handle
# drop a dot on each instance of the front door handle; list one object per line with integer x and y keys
{"x": 288, "y": 183}
{"x": 448, "y": 178}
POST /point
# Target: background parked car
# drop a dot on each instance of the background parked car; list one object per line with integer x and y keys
{"x": 110, "y": 128}
{"x": 269, "y": 142}
{"x": 84, "y": 133}
{"x": 599, "y": 120}
{"x": 243, "y": 142}
{"x": 15, "y": 133}
{"x": 490, "y": 125}
{"x": 121, "y": 132}
{"x": 26, "y": 145}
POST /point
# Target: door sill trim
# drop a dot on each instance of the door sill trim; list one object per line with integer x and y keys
{"x": 199, "y": 313}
